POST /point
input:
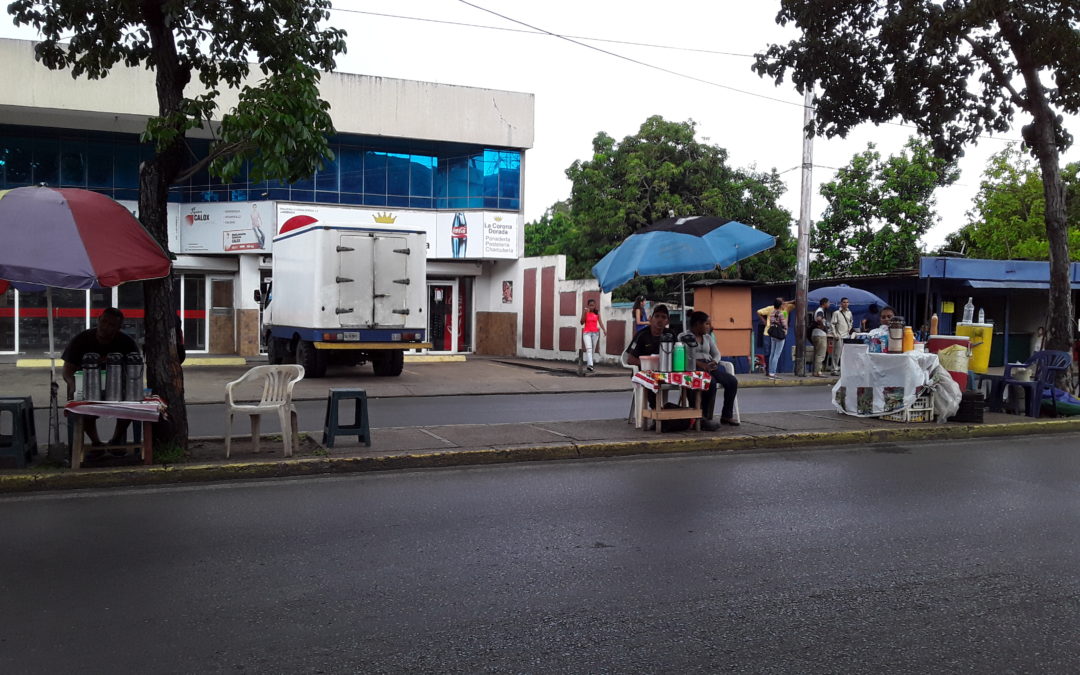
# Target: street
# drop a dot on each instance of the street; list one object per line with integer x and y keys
{"x": 406, "y": 411}
{"x": 893, "y": 558}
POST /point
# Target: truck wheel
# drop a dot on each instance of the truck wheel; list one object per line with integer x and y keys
{"x": 389, "y": 363}
{"x": 313, "y": 361}
{"x": 276, "y": 351}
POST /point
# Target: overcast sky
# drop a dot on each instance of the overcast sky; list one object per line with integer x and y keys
{"x": 581, "y": 91}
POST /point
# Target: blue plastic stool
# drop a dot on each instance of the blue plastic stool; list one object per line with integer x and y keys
{"x": 360, "y": 426}
{"x": 22, "y": 443}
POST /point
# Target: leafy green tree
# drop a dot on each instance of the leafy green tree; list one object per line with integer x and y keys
{"x": 662, "y": 170}
{"x": 280, "y": 124}
{"x": 556, "y": 233}
{"x": 1008, "y": 220}
{"x": 877, "y": 210}
{"x": 954, "y": 70}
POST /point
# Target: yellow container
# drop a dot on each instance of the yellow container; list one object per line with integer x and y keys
{"x": 981, "y": 334}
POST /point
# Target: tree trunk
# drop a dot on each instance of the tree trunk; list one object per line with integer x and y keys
{"x": 1042, "y": 136}
{"x": 163, "y": 372}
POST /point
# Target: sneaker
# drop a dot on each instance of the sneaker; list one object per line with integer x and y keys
{"x": 590, "y": 369}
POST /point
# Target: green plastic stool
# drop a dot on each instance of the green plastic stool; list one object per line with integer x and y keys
{"x": 360, "y": 426}
{"x": 22, "y": 443}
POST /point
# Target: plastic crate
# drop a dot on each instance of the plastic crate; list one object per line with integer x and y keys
{"x": 920, "y": 411}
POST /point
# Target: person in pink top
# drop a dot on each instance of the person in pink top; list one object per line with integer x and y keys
{"x": 593, "y": 326}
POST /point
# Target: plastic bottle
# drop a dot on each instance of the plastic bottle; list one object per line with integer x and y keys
{"x": 982, "y": 316}
{"x": 678, "y": 360}
{"x": 969, "y": 311}
{"x": 934, "y": 324}
{"x": 909, "y": 339}
{"x": 78, "y": 386}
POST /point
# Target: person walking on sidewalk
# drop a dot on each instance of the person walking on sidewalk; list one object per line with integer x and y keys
{"x": 776, "y": 327}
{"x": 706, "y": 356}
{"x": 590, "y": 319}
{"x": 842, "y": 327}
{"x": 820, "y": 336}
{"x": 641, "y": 317}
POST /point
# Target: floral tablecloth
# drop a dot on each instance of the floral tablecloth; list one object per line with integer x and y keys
{"x": 144, "y": 411}
{"x": 691, "y": 379}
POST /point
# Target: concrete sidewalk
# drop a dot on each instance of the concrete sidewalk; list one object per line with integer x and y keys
{"x": 458, "y": 445}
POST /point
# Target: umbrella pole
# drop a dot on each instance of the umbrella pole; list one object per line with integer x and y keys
{"x": 682, "y": 291}
{"x": 54, "y": 414}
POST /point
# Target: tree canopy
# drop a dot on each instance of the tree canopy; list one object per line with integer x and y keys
{"x": 279, "y": 126}
{"x": 1007, "y": 220}
{"x": 877, "y": 210}
{"x": 955, "y": 70}
{"x": 663, "y": 169}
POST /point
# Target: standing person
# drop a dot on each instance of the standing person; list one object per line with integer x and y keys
{"x": 872, "y": 319}
{"x": 641, "y": 317}
{"x": 778, "y": 317}
{"x": 706, "y": 356}
{"x": 820, "y": 336}
{"x": 103, "y": 340}
{"x": 593, "y": 326}
{"x": 843, "y": 326}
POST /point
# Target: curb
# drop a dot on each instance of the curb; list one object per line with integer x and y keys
{"x": 197, "y": 473}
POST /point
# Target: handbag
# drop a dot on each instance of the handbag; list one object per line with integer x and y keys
{"x": 777, "y": 332}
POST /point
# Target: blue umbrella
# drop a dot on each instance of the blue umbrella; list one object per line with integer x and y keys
{"x": 680, "y": 246}
{"x": 859, "y": 301}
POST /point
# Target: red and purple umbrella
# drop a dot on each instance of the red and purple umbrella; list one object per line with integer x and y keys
{"x": 71, "y": 238}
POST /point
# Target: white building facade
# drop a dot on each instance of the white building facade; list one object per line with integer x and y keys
{"x": 444, "y": 159}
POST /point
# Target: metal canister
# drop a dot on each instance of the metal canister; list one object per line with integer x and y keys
{"x": 114, "y": 377}
{"x": 91, "y": 367}
{"x": 133, "y": 377}
{"x": 667, "y": 351}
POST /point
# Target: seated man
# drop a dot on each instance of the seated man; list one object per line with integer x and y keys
{"x": 706, "y": 356}
{"x": 105, "y": 339}
{"x": 647, "y": 341}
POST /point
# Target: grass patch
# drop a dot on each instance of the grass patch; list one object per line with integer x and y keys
{"x": 169, "y": 454}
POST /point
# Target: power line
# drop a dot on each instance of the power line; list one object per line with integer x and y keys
{"x": 506, "y": 29}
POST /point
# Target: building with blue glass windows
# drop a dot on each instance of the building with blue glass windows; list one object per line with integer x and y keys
{"x": 415, "y": 155}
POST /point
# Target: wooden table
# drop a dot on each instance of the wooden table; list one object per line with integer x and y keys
{"x": 660, "y": 383}
{"x": 146, "y": 412}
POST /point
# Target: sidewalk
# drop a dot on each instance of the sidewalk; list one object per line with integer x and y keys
{"x": 471, "y": 444}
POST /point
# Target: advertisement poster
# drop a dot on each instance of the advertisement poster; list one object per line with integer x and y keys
{"x": 227, "y": 227}
{"x": 379, "y": 218}
{"x": 501, "y": 235}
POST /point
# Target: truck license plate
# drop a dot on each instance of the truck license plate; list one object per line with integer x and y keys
{"x": 351, "y": 336}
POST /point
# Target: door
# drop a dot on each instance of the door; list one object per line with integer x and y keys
{"x": 441, "y": 324}
{"x": 391, "y": 280}
{"x": 222, "y": 321}
{"x": 354, "y": 280}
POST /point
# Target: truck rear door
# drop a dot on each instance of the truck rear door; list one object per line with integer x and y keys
{"x": 391, "y": 280}
{"x": 355, "y": 287}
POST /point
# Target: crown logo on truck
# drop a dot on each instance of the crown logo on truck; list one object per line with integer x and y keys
{"x": 386, "y": 218}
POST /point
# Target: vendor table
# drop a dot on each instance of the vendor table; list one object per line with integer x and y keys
{"x": 146, "y": 412}
{"x": 876, "y": 384}
{"x": 660, "y": 383}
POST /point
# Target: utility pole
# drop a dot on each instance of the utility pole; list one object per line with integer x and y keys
{"x": 802, "y": 262}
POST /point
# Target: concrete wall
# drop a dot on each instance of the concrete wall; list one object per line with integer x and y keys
{"x": 359, "y": 104}
{"x": 549, "y": 322}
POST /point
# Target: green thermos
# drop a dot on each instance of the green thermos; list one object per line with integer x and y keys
{"x": 678, "y": 359}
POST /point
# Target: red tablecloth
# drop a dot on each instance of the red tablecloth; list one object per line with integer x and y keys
{"x": 691, "y": 379}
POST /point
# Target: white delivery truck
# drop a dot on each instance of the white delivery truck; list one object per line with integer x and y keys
{"x": 345, "y": 294}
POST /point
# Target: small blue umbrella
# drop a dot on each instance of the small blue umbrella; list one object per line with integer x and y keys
{"x": 680, "y": 246}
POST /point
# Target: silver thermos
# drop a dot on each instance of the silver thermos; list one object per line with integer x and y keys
{"x": 91, "y": 368}
{"x": 667, "y": 351}
{"x": 114, "y": 377}
{"x": 133, "y": 377}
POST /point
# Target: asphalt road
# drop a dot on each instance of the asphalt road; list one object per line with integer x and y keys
{"x": 892, "y": 559}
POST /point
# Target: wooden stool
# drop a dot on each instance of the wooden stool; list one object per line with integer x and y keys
{"x": 22, "y": 443}
{"x": 360, "y": 425}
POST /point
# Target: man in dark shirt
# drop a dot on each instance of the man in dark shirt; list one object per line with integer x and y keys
{"x": 105, "y": 339}
{"x": 647, "y": 342}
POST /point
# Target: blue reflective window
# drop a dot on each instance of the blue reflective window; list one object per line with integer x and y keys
{"x": 327, "y": 197}
{"x": 397, "y": 200}
{"x": 307, "y": 183}
{"x": 351, "y": 161}
{"x": 457, "y": 178}
{"x": 302, "y": 195}
{"x": 397, "y": 175}
{"x": 326, "y": 178}
{"x": 47, "y": 161}
{"x": 374, "y": 174}
{"x": 73, "y": 162}
{"x": 374, "y": 200}
{"x": 126, "y": 166}
{"x": 99, "y": 161}
{"x": 509, "y": 175}
{"x": 18, "y": 158}
{"x": 490, "y": 167}
{"x": 421, "y": 176}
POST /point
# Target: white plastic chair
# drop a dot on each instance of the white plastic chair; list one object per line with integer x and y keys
{"x": 730, "y": 368}
{"x": 278, "y": 382}
{"x": 635, "y": 397}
